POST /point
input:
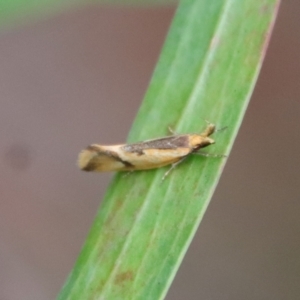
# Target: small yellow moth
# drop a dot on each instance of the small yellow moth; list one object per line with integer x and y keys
{"x": 145, "y": 155}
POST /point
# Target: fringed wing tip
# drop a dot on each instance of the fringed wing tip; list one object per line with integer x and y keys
{"x": 84, "y": 159}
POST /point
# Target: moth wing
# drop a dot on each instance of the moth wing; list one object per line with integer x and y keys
{"x": 153, "y": 158}
{"x": 170, "y": 142}
{"x": 99, "y": 159}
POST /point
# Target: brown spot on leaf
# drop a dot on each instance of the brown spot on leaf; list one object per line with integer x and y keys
{"x": 121, "y": 278}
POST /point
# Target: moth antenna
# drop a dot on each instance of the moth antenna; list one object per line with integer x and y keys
{"x": 221, "y": 129}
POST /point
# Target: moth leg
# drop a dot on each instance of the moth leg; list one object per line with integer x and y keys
{"x": 173, "y": 166}
{"x": 171, "y": 130}
{"x": 127, "y": 173}
{"x": 209, "y": 154}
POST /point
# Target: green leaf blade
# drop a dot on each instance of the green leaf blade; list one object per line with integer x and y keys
{"x": 207, "y": 70}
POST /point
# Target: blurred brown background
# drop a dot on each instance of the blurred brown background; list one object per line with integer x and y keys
{"x": 78, "y": 78}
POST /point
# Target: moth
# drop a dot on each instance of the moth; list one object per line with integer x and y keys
{"x": 150, "y": 154}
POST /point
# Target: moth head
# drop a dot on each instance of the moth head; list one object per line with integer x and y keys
{"x": 203, "y": 140}
{"x": 210, "y": 129}
{"x": 206, "y": 141}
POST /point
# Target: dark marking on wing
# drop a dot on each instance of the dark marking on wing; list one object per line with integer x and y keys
{"x": 171, "y": 142}
{"x": 92, "y": 165}
{"x": 92, "y": 148}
